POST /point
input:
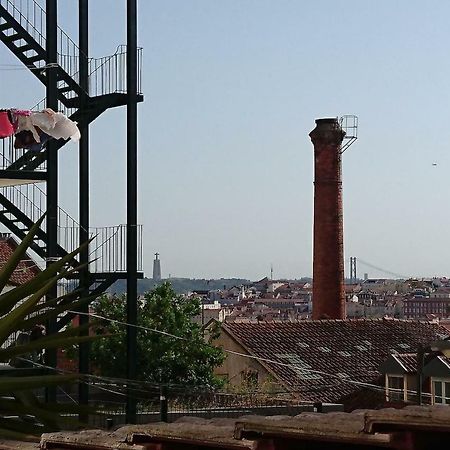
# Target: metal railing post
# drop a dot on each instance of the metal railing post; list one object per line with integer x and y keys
{"x": 163, "y": 404}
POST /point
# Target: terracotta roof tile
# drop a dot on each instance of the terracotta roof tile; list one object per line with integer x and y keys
{"x": 363, "y": 429}
{"x": 26, "y": 269}
{"x": 321, "y": 358}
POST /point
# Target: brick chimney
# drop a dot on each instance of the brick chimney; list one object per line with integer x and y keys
{"x": 328, "y": 264}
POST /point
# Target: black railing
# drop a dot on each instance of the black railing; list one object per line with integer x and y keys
{"x": 9, "y": 154}
{"x": 30, "y": 16}
{"x": 107, "y": 74}
{"x": 190, "y": 401}
{"x": 108, "y": 247}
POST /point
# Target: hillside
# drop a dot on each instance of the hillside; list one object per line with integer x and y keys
{"x": 181, "y": 285}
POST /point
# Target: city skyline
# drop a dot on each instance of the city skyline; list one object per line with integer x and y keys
{"x": 226, "y": 165}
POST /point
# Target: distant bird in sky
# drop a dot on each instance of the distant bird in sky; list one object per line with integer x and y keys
{"x": 434, "y": 164}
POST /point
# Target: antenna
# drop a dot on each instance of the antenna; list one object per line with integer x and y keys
{"x": 349, "y": 123}
{"x": 271, "y": 271}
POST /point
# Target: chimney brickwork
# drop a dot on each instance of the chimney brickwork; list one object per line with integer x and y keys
{"x": 328, "y": 264}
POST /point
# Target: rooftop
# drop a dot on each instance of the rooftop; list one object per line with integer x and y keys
{"x": 26, "y": 269}
{"x": 329, "y": 359}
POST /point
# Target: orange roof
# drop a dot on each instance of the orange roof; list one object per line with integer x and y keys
{"x": 25, "y": 271}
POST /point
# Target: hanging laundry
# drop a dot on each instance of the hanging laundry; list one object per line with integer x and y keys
{"x": 21, "y": 112}
{"x": 45, "y": 119}
{"x": 15, "y": 114}
{"x": 6, "y": 126}
{"x": 33, "y": 129}
{"x": 24, "y": 139}
{"x": 64, "y": 128}
{"x": 44, "y": 137}
{"x": 25, "y": 123}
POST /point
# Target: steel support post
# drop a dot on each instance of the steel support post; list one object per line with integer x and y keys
{"x": 83, "y": 33}
{"x": 52, "y": 170}
{"x": 131, "y": 203}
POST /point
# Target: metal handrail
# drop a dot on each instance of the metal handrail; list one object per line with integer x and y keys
{"x": 37, "y": 12}
{"x": 32, "y": 17}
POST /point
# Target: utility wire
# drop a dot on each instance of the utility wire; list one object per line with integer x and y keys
{"x": 128, "y": 382}
{"x": 258, "y": 358}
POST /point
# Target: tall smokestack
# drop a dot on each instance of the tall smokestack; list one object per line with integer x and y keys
{"x": 328, "y": 265}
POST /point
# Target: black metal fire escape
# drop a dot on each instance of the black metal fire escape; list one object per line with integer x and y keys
{"x": 84, "y": 88}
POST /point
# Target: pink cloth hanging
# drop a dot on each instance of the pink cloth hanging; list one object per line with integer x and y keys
{"x": 21, "y": 112}
{"x": 6, "y": 127}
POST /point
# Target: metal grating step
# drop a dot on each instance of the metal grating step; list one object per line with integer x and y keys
{"x": 5, "y": 26}
{"x": 65, "y": 89}
{"x": 13, "y": 37}
{"x": 24, "y": 48}
{"x": 35, "y": 58}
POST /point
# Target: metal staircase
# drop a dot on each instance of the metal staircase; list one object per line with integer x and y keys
{"x": 22, "y": 202}
{"x": 23, "y": 34}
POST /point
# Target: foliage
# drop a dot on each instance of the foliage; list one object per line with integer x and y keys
{"x": 189, "y": 360}
{"x": 22, "y": 413}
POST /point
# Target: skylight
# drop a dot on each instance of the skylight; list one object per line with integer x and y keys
{"x": 361, "y": 347}
{"x": 324, "y": 349}
{"x": 303, "y": 344}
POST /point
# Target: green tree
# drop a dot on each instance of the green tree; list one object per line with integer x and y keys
{"x": 189, "y": 360}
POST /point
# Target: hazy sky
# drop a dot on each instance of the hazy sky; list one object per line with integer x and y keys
{"x": 232, "y": 88}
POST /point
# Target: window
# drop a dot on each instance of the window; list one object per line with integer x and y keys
{"x": 395, "y": 388}
{"x": 441, "y": 391}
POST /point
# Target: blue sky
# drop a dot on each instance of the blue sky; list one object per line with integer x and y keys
{"x": 232, "y": 89}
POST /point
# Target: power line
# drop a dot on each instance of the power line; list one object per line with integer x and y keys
{"x": 294, "y": 367}
{"x": 258, "y": 358}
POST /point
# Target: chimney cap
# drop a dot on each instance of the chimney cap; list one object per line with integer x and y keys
{"x": 325, "y": 120}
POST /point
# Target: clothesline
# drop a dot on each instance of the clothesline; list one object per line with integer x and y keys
{"x": 9, "y": 67}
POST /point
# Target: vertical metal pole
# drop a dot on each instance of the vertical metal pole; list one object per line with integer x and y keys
{"x": 131, "y": 202}
{"x": 318, "y": 407}
{"x": 52, "y": 170}
{"x": 83, "y": 35}
{"x": 420, "y": 361}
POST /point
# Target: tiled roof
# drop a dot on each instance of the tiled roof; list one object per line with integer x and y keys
{"x": 361, "y": 429}
{"x": 320, "y": 358}
{"x": 26, "y": 269}
{"x": 408, "y": 361}
{"x": 445, "y": 360}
